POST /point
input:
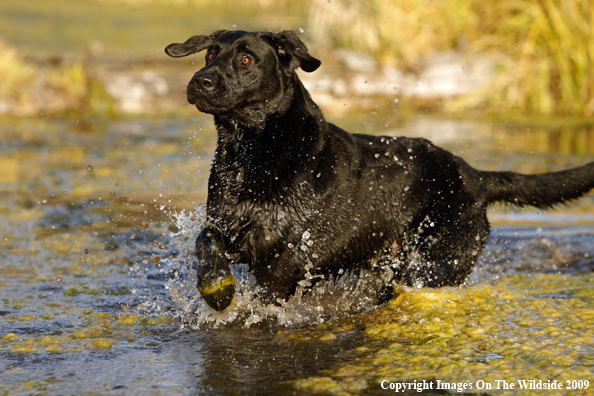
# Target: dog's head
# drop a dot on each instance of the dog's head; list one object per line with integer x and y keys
{"x": 244, "y": 71}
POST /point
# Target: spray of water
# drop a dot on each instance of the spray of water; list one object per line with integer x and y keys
{"x": 349, "y": 293}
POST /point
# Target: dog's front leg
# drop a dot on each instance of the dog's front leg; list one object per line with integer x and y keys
{"x": 215, "y": 281}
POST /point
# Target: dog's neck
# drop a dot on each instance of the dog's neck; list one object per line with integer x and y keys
{"x": 265, "y": 126}
{"x": 266, "y": 154}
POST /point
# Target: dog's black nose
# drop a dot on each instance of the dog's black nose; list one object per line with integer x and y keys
{"x": 202, "y": 81}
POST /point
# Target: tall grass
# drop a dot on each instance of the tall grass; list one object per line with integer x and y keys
{"x": 16, "y": 75}
{"x": 549, "y": 57}
{"x": 397, "y": 32}
{"x": 544, "y": 48}
{"x": 26, "y": 88}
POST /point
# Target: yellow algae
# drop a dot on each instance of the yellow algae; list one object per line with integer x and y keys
{"x": 129, "y": 319}
{"x": 328, "y": 337}
{"x": 88, "y": 333}
{"x": 62, "y": 249}
{"x": 101, "y": 343}
{"x": 11, "y": 337}
{"x": 27, "y": 317}
{"x": 31, "y": 385}
{"x": 509, "y": 330}
{"x": 319, "y": 384}
{"x": 54, "y": 349}
{"x": 22, "y": 349}
{"x": 73, "y": 292}
{"x": 94, "y": 331}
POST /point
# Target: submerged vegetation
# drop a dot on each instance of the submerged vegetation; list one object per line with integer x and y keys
{"x": 478, "y": 336}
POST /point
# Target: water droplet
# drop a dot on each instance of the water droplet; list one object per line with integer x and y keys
{"x": 155, "y": 259}
{"x": 89, "y": 168}
{"x": 376, "y": 155}
{"x": 132, "y": 236}
{"x": 305, "y": 235}
{"x": 123, "y": 199}
{"x": 301, "y": 30}
{"x": 112, "y": 193}
{"x": 86, "y": 251}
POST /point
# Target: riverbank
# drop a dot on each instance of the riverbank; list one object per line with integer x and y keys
{"x": 97, "y": 84}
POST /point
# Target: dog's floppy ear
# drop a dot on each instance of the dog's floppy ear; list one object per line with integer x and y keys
{"x": 290, "y": 48}
{"x": 192, "y": 45}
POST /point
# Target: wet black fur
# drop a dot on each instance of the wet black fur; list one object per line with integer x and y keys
{"x": 296, "y": 196}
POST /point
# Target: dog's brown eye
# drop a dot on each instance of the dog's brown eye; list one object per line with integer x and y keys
{"x": 210, "y": 57}
{"x": 246, "y": 60}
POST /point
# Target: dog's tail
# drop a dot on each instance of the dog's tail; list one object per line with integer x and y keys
{"x": 543, "y": 190}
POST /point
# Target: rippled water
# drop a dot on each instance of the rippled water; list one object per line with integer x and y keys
{"x": 97, "y": 294}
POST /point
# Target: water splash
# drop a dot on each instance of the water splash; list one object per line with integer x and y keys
{"x": 329, "y": 298}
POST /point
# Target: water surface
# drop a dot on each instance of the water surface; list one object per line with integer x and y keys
{"x": 97, "y": 216}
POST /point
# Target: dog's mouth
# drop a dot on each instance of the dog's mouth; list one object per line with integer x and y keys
{"x": 203, "y": 101}
{"x": 216, "y": 103}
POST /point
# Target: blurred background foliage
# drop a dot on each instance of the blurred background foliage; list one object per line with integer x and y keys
{"x": 543, "y": 49}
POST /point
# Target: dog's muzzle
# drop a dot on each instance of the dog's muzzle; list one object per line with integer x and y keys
{"x": 201, "y": 85}
{"x": 215, "y": 281}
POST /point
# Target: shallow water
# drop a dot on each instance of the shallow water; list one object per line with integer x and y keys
{"x": 97, "y": 297}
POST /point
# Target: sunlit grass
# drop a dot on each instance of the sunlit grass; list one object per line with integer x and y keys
{"x": 23, "y": 83}
{"x": 71, "y": 82}
{"x": 16, "y": 75}
{"x": 544, "y": 49}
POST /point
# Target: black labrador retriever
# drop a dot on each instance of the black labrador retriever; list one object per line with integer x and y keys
{"x": 300, "y": 200}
